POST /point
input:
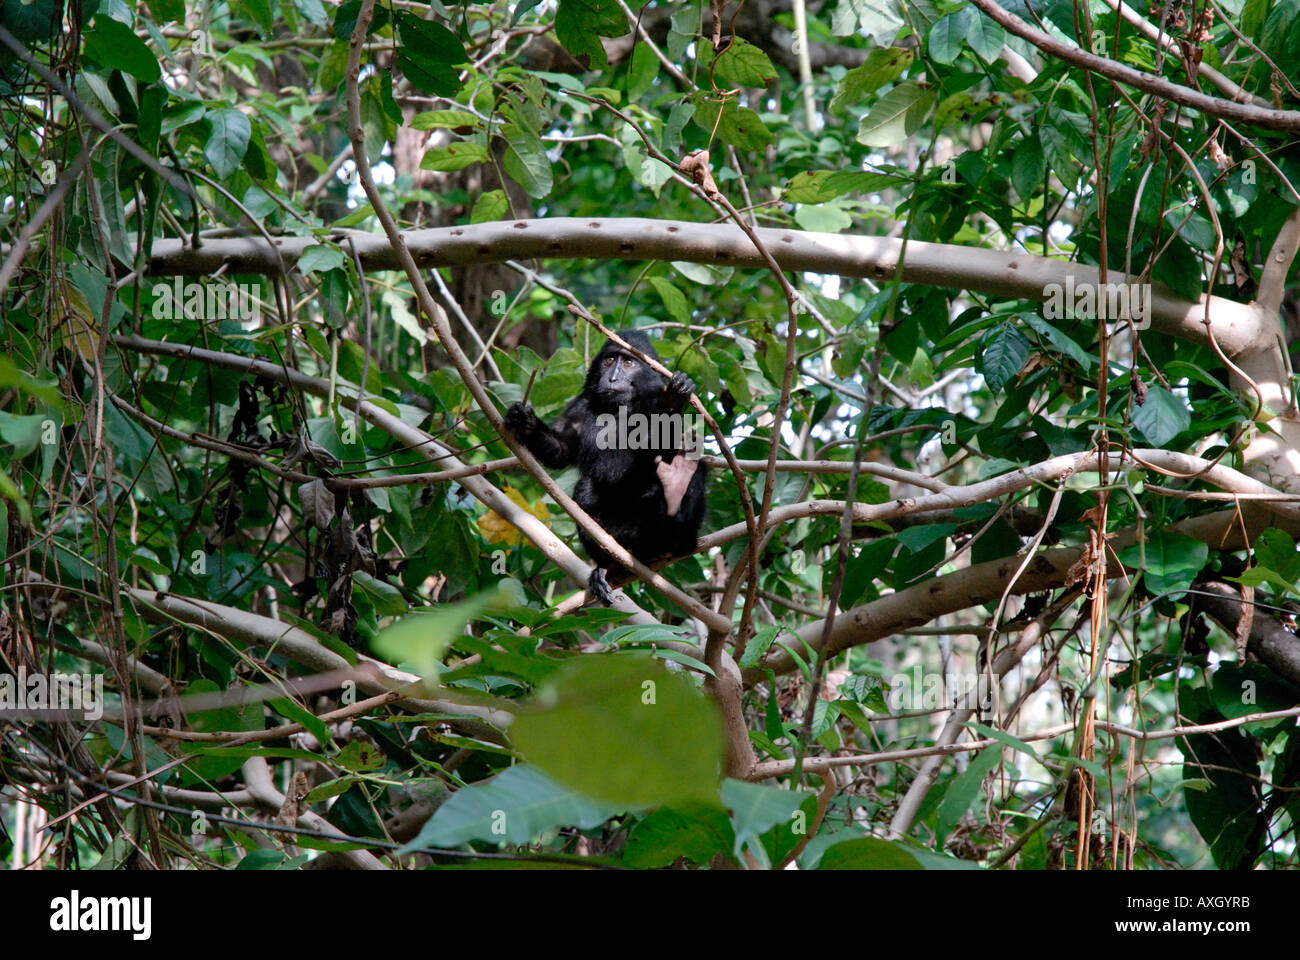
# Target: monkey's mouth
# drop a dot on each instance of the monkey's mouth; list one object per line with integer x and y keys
{"x": 617, "y": 395}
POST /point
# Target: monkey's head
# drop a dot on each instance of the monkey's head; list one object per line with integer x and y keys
{"x": 616, "y": 378}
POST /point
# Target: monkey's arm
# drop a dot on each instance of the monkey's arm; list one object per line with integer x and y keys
{"x": 555, "y": 446}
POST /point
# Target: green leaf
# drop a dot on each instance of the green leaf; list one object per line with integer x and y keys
{"x": 1015, "y": 743}
{"x": 1227, "y": 815}
{"x": 259, "y": 11}
{"x": 947, "y": 36}
{"x": 526, "y": 161}
{"x": 674, "y": 300}
{"x": 386, "y": 598}
{"x": 24, "y": 432}
{"x": 818, "y": 186}
{"x": 454, "y": 156}
{"x": 1241, "y": 689}
{"x": 489, "y": 206}
{"x": 1276, "y": 550}
{"x": 320, "y": 256}
{"x": 429, "y": 54}
{"x": 705, "y": 273}
{"x": 741, "y": 65}
{"x": 428, "y": 76}
{"x": 962, "y": 791}
{"x": 641, "y": 72}
{"x": 986, "y": 37}
{"x": 867, "y": 566}
{"x": 624, "y": 730}
{"x": 227, "y": 141}
{"x": 868, "y": 853}
{"x": 1059, "y": 341}
{"x": 360, "y": 756}
{"x": 883, "y": 65}
{"x": 1028, "y": 166}
{"x": 823, "y": 218}
{"x": 1252, "y": 17}
{"x": 579, "y": 25}
{"x": 896, "y": 115}
{"x": 695, "y": 832}
{"x": 297, "y": 714}
{"x": 313, "y": 12}
{"x": 1003, "y": 352}
{"x": 882, "y": 19}
{"x": 739, "y": 126}
{"x": 1172, "y": 561}
{"x": 756, "y": 808}
{"x": 513, "y": 807}
{"x": 421, "y": 638}
{"x": 443, "y": 119}
{"x": 114, "y": 45}
{"x": 918, "y": 538}
{"x": 1162, "y": 417}
{"x": 164, "y": 11}
{"x": 435, "y": 41}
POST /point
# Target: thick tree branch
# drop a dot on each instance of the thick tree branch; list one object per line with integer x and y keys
{"x": 1238, "y": 327}
{"x": 1275, "y": 646}
{"x": 1049, "y": 570}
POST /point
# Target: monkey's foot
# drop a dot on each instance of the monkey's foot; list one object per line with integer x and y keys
{"x": 675, "y": 477}
{"x": 598, "y": 587}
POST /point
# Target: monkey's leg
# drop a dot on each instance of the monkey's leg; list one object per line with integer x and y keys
{"x": 599, "y": 587}
{"x": 676, "y": 478}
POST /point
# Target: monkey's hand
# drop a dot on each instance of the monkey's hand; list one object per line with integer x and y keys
{"x": 678, "y": 391}
{"x": 598, "y": 587}
{"x": 675, "y": 477}
{"x": 522, "y": 421}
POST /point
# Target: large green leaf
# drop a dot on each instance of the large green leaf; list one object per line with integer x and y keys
{"x": 116, "y": 46}
{"x": 513, "y": 807}
{"x": 227, "y": 140}
{"x": 1162, "y": 417}
{"x": 1172, "y": 562}
{"x": 896, "y": 115}
{"x": 624, "y": 730}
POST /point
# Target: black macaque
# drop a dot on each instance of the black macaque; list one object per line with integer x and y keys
{"x": 645, "y": 492}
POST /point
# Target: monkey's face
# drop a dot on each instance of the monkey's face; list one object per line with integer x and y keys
{"x": 619, "y": 373}
{"x": 616, "y": 378}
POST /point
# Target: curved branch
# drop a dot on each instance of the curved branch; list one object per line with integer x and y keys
{"x": 1049, "y": 570}
{"x": 1272, "y": 280}
{"x": 1155, "y": 34}
{"x": 1268, "y": 118}
{"x": 1004, "y": 273}
{"x": 302, "y": 648}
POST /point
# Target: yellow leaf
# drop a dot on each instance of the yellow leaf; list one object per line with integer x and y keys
{"x": 79, "y": 327}
{"x": 497, "y": 529}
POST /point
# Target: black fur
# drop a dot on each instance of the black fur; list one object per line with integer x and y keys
{"x": 619, "y": 488}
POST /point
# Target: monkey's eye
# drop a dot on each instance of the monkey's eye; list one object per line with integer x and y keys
{"x": 608, "y": 361}
{"x": 629, "y": 362}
